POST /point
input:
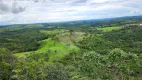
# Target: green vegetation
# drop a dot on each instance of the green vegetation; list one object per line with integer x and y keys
{"x": 72, "y": 51}
{"x": 21, "y": 40}
{"x": 108, "y": 29}
{"x": 55, "y": 47}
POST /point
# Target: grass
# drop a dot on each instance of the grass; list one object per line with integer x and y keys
{"x": 108, "y": 29}
{"x": 56, "y": 49}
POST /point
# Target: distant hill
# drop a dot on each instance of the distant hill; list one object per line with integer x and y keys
{"x": 89, "y": 23}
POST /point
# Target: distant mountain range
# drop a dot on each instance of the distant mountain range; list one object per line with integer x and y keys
{"x": 106, "y": 19}
{"x": 2, "y": 24}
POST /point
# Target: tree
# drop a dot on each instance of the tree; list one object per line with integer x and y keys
{"x": 123, "y": 65}
{"x": 7, "y": 63}
{"x": 57, "y": 72}
{"x": 117, "y": 65}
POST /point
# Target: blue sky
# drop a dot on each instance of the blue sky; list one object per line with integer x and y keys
{"x": 34, "y": 11}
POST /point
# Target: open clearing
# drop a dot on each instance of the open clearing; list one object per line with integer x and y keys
{"x": 108, "y": 29}
{"x": 56, "y": 48}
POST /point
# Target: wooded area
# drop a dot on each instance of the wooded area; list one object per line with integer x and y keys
{"x": 103, "y": 50}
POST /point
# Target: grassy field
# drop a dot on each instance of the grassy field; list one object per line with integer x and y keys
{"x": 56, "y": 49}
{"x": 107, "y": 29}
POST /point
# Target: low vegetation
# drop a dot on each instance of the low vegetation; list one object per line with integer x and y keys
{"x": 108, "y": 29}
{"x": 65, "y": 51}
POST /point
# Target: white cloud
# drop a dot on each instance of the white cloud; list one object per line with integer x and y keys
{"x": 66, "y": 10}
{"x": 97, "y": 1}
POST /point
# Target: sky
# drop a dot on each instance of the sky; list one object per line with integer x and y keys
{"x": 36, "y": 11}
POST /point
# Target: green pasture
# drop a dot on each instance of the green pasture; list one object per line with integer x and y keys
{"x": 108, "y": 29}
{"x": 56, "y": 49}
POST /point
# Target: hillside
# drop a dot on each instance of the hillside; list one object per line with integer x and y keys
{"x": 86, "y": 50}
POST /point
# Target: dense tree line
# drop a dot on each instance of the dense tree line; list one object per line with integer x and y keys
{"x": 128, "y": 39}
{"x": 21, "y": 40}
{"x": 7, "y": 64}
{"x": 84, "y": 65}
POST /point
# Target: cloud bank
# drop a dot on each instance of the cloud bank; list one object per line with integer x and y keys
{"x": 33, "y": 11}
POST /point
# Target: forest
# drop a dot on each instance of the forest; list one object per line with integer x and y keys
{"x": 109, "y": 49}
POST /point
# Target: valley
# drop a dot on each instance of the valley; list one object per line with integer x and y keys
{"x": 71, "y": 51}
